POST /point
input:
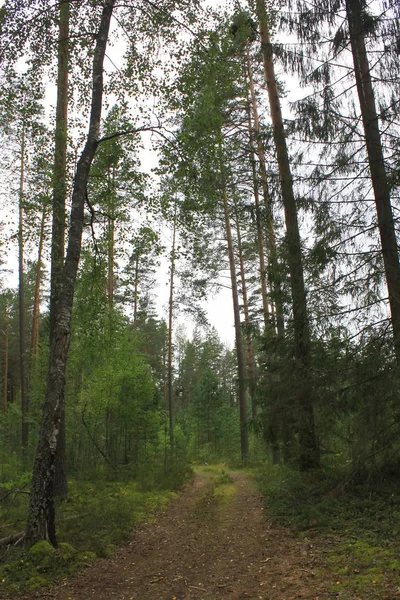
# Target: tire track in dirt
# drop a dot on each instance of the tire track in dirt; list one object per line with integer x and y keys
{"x": 212, "y": 543}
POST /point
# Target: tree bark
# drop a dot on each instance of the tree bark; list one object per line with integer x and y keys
{"x": 376, "y": 161}
{"x": 21, "y": 301}
{"x": 249, "y": 345}
{"x": 60, "y": 161}
{"x": 111, "y": 244}
{"x": 58, "y": 225}
{"x": 278, "y": 419}
{"x": 110, "y": 274}
{"x": 36, "y": 299}
{"x": 170, "y": 319}
{"x": 5, "y": 370}
{"x": 244, "y": 441}
{"x": 41, "y": 517}
{"x": 260, "y": 240}
{"x": 136, "y": 291}
{"x": 308, "y": 447}
{"x": 271, "y": 239}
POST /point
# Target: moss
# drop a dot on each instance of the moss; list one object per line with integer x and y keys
{"x": 5, "y": 570}
{"x": 362, "y": 549}
{"x": 360, "y": 583}
{"x": 86, "y": 558}
{"x": 224, "y": 477}
{"x": 358, "y": 533}
{"x": 35, "y": 583}
{"x": 40, "y": 550}
{"x": 394, "y": 565}
{"x": 66, "y": 550}
{"x": 106, "y": 512}
{"x": 225, "y": 492}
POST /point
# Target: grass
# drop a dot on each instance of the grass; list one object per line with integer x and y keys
{"x": 357, "y": 530}
{"x": 91, "y": 522}
{"x": 220, "y": 485}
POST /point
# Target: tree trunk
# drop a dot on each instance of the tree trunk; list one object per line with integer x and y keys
{"x": 21, "y": 301}
{"x": 376, "y": 161}
{"x": 110, "y": 274}
{"x": 58, "y": 226}
{"x": 41, "y": 517}
{"x": 111, "y": 244}
{"x": 278, "y": 420}
{"x": 171, "y": 307}
{"x": 244, "y": 441}
{"x": 36, "y": 300}
{"x": 135, "y": 301}
{"x": 260, "y": 241}
{"x": 60, "y": 162}
{"x": 5, "y": 371}
{"x": 308, "y": 447}
{"x": 250, "y": 359}
{"x": 271, "y": 239}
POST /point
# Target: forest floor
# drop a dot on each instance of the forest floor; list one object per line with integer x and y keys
{"x": 213, "y": 542}
{"x": 217, "y": 542}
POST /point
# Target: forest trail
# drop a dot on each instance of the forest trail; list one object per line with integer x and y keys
{"x": 213, "y": 542}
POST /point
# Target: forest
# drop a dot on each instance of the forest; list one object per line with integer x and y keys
{"x": 155, "y": 154}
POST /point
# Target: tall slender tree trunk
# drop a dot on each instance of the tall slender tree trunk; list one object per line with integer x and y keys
{"x": 260, "y": 240}
{"x": 58, "y": 225}
{"x": 5, "y": 368}
{"x": 36, "y": 299}
{"x": 41, "y": 516}
{"x": 165, "y": 384}
{"x": 249, "y": 345}
{"x": 111, "y": 243}
{"x": 21, "y": 301}
{"x": 136, "y": 292}
{"x": 110, "y": 268}
{"x": 278, "y": 419}
{"x": 60, "y": 161}
{"x": 170, "y": 320}
{"x": 244, "y": 440}
{"x": 380, "y": 184}
{"x": 308, "y": 447}
{"x": 271, "y": 238}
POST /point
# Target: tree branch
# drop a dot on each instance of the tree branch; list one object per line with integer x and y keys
{"x": 94, "y": 441}
{"x": 117, "y": 134}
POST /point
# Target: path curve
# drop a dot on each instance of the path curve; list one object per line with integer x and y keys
{"x": 212, "y": 543}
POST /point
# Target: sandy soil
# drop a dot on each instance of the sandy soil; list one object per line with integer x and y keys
{"x": 212, "y": 543}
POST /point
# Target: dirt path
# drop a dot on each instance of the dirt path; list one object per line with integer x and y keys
{"x": 212, "y": 543}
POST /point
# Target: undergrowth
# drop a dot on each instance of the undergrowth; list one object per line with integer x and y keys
{"x": 91, "y": 522}
{"x": 356, "y": 528}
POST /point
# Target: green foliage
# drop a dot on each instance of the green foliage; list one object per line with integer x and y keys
{"x": 117, "y": 433}
{"x": 99, "y": 517}
{"x": 205, "y": 399}
{"x": 94, "y": 518}
{"x": 355, "y": 526}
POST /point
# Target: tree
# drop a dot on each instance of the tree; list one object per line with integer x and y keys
{"x": 21, "y": 297}
{"x": 116, "y": 188}
{"x": 208, "y": 79}
{"x": 140, "y": 271}
{"x": 41, "y": 518}
{"x": 40, "y": 523}
{"x": 244, "y": 442}
{"x": 170, "y": 322}
{"x": 58, "y": 226}
{"x": 247, "y": 326}
{"x": 308, "y": 446}
{"x": 357, "y": 18}
{"x": 21, "y": 111}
